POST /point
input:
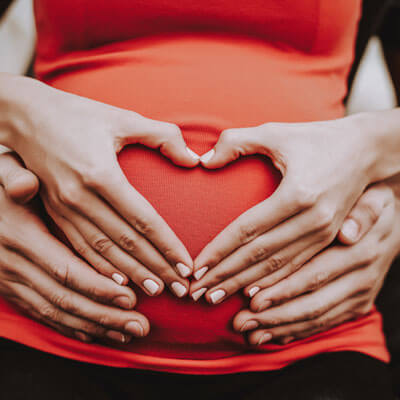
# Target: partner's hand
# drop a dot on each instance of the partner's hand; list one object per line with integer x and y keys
{"x": 337, "y": 285}
{"x": 70, "y": 144}
{"x": 325, "y": 168}
{"x": 43, "y": 277}
{"x": 18, "y": 182}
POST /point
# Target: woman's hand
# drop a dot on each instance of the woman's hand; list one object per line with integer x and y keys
{"x": 70, "y": 143}
{"x": 337, "y": 285}
{"x": 43, "y": 277}
{"x": 325, "y": 167}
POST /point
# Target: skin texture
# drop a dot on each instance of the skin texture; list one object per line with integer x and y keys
{"x": 339, "y": 284}
{"x": 44, "y": 277}
{"x": 68, "y": 311}
{"x": 85, "y": 192}
{"x": 305, "y": 213}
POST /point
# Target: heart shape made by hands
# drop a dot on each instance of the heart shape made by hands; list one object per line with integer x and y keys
{"x": 197, "y": 204}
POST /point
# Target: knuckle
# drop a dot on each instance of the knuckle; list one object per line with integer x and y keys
{"x": 128, "y": 243}
{"x": 371, "y": 210}
{"x": 47, "y": 311}
{"x": 61, "y": 273}
{"x": 83, "y": 249}
{"x": 304, "y": 197}
{"x": 97, "y": 293}
{"x": 173, "y": 131}
{"x": 273, "y": 264}
{"x": 64, "y": 302}
{"x": 318, "y": 324}
{"x": 101, "y": 243}
{"x": 93, "y": 329}
{"x": 104, "y": 320}
{"x": 227, "y": 137}
{"x": 274, "y": 321}
{"x": 95, "y": 176}
{"x": 318, "y": 280}
{"x": 324, "y": 217}
{"x": 258, "y": 254}
{"x": 247, "y": 232}
{"x": 70, "y": 195}
{"x": 143, "y": 226}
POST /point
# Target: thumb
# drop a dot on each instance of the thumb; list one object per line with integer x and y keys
{"x": 20, "y": 184}
{"x": 365, "y": 213}
{"x": 165, "y": 136}
{"x": 236, "y": 142}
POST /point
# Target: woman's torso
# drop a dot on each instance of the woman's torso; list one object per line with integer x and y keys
{"x": 205, "y": 66}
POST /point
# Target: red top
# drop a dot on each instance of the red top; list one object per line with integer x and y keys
{"x": 205, "y": 66}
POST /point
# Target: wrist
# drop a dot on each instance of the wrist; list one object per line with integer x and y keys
{"x": 381, "y": 132}
{"x": 19, "y": 96}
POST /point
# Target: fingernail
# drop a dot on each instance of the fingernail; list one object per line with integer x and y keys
{"x": 200, "y": 273}
{"x": 198, "y": 293}
{"x": 264, "y": 305}
{"x": 249, "y": 325}
{"x": 118, "y": 278}
{"x": 207, "y": 156}
{"x": 193, "y": 154}
{"x": 217, "y": 295}
{"x": 179, "y": 289}
{"x": 253, "y": 291}
{"x": 135, "y": 328}
{"x": 350, "y": 229}
{"x": 117, "y": 336}
{"x": 183, "y": 270}
{"x": 83, "y": 337}
{"x": 264, "y": 338}
{"x": 151, "y": 286}
{"x": 123, "y": 301}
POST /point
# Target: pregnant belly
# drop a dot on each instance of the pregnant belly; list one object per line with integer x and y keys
{"x": 197, "y": 204}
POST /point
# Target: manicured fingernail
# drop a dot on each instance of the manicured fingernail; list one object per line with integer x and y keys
{"x": 117, "y": 336}
{"x": 151, "y": 286}
{"x": 264, "y": 338}
{"x": 350, "y": 229}
{"x": 198, "y": 293}
{"x": 118, "y": 278}
{"x": 217, "y": 296}
{"x": 135, "y": 328}
{"x": 82, "y": 336}
{"x": 123, "y": 302}
{"x": 193, "y": 154}
{"x": 179, "y": 289}
{"x": 264, "y": 305}
{"x": 183, "y": 270}
{"x": 253, "y": 291}
{"x": 200, "y": 273}
{"x": 207, "y": 156}
{"x": 249, "y": 325}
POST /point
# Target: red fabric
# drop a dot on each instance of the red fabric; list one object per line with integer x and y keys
{"x": 205, "y": 66}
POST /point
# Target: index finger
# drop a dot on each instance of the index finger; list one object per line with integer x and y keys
{"x": 60, "y": 262}
{"x": 142, "y": 216}
{"x": 249, "y": 225}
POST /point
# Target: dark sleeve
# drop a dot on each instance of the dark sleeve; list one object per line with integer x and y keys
{"x": 3, "y": 6}
{"x": 389, "y": 30}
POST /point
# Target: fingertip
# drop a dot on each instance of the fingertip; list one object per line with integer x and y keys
{"x": 349, "y": 232}
{"x": 22, "y": 187}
